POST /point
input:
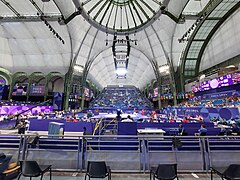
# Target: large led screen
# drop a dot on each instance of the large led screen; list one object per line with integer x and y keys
{"x": 2, "y": 81}
{"x": 20, "y": 90}
{"x": 155, "y": 92}
{"x": 86, "y": 92}
{"x": 222, "y": 81}
{"x": 236, "y": 78}
{"x": 37, "y": 90}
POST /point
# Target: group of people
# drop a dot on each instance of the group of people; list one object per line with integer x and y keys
{"x": 201, "y": 132}
{"x": 121, "y": 98}
{"x": 233, "y": 129}
{"x": 230, "y": 101}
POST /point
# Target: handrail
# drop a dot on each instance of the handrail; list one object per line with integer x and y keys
{"x": 98, "y": 146}
{"x": 125, "y": 136}
{"x": 106, "y": 125}
{"x": 97, "y": 126}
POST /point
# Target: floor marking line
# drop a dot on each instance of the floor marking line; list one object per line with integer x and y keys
{"x": 194, "y": 175}
{"x": 75, "y": 174}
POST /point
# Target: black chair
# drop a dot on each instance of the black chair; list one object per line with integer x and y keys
{"x": 98, "y": 169}
{"x": 32, "y": 169}
{"x": 232, "y": 172}
{"x": 33, "y": 141}
{"x": 4, "y": 162}
{"x": 2, "y": 157}
{"x": 164, "y": 172}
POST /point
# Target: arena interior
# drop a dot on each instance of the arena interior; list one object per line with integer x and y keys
{"x": 121, "y": 89}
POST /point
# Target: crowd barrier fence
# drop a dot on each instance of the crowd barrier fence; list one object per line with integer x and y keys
{"x": 124, "y": 153}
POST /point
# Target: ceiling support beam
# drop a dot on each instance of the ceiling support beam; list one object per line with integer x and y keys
{"x": 30, "y": 18}
{"x": 11, "y": 8}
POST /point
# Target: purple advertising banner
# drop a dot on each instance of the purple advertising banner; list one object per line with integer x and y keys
{"x": 222, "y": 81}
{"x": 20, "y": 90}
{"x": 221, "y": 95}
{"x": 208, "y": 113}
{"x": 2, "y": 81}
{"x": 5, "y": 110}
{"x": 1, "y": 91}
{"x": 58, "y": 101}
{"x": 217, "y": 95}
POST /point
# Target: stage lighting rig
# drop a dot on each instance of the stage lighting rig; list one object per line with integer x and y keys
{"x": 51, "y": 28}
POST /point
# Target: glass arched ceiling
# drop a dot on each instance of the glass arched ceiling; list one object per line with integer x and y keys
{"x": 217, "y": 13}
{"x": 122, "y": 16}
{"x": 28, "y": 45}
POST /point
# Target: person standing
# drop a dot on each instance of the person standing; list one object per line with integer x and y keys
{"x": 21, "y": 127}
{"x": 182, "y": 131}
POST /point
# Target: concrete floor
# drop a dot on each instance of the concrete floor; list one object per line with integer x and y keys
{"x": 122, "y": 176}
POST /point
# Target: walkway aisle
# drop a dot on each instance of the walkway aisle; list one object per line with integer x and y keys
{"x": 80, "y": 176}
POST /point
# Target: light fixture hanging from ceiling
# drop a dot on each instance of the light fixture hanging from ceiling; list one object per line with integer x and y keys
{"x": 51, "y": 28}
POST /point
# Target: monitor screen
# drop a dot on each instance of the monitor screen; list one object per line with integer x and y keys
{"x": 86, "y": 92}
{"x": 1, "y": 91}
{"x": 218, "y": 82}
{"x": 37, "y": 90}
{"x": 236, "y": 77}
{"x": 155, "y": 92}
{"x": 2, "y": 81}
{"x": 20, "y": 90}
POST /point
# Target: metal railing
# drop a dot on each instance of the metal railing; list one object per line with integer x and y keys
{"x": 124, "y": 153}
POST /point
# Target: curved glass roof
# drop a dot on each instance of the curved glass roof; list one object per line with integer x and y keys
{"x": 28, "y": 44}
{"x": 199, "y": 39}
{"x": 116, "y": 16}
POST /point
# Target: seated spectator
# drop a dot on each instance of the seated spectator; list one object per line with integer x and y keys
{"x": 154, "y": 115}
{"x": 128, "y": 119}
{"x": 200, "y": 119}
{"x": 185, "y": 120}
{"x": 39, "y": 116}
{"x": 202, "y": 131}
{"x": 223, "y": 131}
{"x": 68, "y": 119}
{"x": 235, "y": 129}
{"x": 75, "y": 120}
{"x": 231, "y": 122}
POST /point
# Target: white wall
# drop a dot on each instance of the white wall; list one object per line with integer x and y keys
{"x": 224, "y": 45}
{"x": 5, "y": 52}
{"x": 58, "y": 85}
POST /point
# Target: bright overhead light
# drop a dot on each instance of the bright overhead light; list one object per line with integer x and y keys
{"x": 164, "y": 69}
{"x": 202, "y": 77}
{"x": 121, "y": 71}
{"x": 78, "y": 68}
{"x": 231, "y": 66}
